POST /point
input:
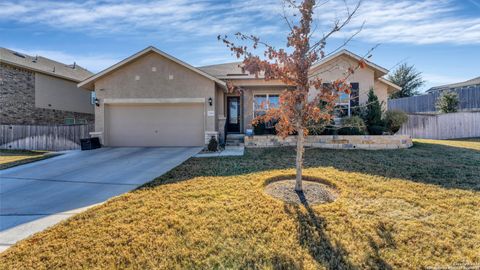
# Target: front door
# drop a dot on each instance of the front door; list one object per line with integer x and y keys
{"x": 233, "y": 114}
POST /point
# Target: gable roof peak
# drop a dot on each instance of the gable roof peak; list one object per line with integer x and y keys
{"x": 88, "y": 83}
{"x": 379, "y": 71}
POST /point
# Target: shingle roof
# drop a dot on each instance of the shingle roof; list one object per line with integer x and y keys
{"x": 233, "y": 71}
{"x": 471, "y": 82}
{"x": 227, "y": 71}
{"x": 44, "y": 65}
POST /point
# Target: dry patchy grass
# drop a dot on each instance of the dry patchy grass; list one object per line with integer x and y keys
{"x": 11, "y": 158}
{"x": 405, "y": 209}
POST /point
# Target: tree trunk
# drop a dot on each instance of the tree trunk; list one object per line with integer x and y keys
{"x": 299, "y": 160}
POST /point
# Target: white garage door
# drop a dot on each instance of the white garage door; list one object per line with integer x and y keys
{"x": 154, "y": 124}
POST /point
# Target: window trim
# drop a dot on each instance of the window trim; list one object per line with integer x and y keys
{"x": 93, "y": 98}
{"x": 349, "y": 103}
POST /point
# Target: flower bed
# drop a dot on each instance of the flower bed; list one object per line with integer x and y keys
{"x": 334, "y": 141}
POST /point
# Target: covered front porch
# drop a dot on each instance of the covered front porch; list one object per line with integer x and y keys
{"x": 239, "y": 109}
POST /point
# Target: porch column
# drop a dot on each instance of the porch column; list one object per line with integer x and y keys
{"x": 247, "y": 109}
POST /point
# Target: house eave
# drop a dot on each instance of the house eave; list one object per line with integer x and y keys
{"x": 40, "y": 71}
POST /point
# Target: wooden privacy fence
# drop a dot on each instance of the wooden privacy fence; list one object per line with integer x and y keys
{"x": 469, "y": 99}
{"x": 51, "y": 138}
{"x": 442, "y": 126}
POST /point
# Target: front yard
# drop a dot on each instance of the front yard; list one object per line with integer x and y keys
{"x": 11, "y": 158}
{"x": 396, "y": 209}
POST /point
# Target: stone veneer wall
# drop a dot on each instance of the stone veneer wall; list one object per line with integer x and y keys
{"x": 334, "y": 142}
{"x": 17, "y": 101}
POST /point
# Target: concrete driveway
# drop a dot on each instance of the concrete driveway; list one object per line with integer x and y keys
{"x": 37, "y": 195}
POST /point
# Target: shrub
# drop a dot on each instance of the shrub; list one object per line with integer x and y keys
{"x": 373, "y": 115}
{"x": 212, "y": 144}
{"x": 259, "y": 128}
{"x": 394, "y": 120}
{"x": 376, "y": 130}
{"x": 317, "y": 128}
{"x": 353, "y": 123}
{"x": 349, "y": 131}
{"x": 447, "y": 102}
{"x": 329, "y": 130}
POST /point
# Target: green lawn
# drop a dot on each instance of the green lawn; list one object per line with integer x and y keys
{"x": 11, "y": 158}
{"x": 406, "y": 209}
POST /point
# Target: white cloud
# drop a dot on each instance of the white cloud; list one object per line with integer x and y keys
{"x": 409, "y": 21}
{"x": 398, "y": 21}
{"x": 194, "y": 18}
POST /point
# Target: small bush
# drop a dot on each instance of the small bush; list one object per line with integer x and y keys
{"x": 329, "y": 130}
{"x": 212, "y": 144}
{"x": 350, "y": 131}
{"x": 353, "y": 124}
{"x": 394, "y": 120}
{"x": 447, "y": 102}
{"x": 318, "y": 128}
{"x": 376, "y": 130}
{"x": 259, "y": 128}
{"x": 262, "y": 128}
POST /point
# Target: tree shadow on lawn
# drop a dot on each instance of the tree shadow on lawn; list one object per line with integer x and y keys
{"x": 313, "y": 237}
{"x": 446, "y": 166}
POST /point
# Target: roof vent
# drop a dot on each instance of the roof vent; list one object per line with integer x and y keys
{"x": 35, "y": 59}
{"x": 53, "y": 68}
{"x": 73, "y": 66}
{"x": 19, "y": 54}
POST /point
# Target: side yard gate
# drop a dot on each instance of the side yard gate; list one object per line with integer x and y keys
{"x": 50, "y": 138}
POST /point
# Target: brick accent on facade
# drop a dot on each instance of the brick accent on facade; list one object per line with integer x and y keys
{"x": 17, "y": 101}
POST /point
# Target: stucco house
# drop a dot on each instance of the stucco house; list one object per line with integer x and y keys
{"x": 469, "y": 84}
{"x": 40, "y": 91}
{"x": 154, "y": 99}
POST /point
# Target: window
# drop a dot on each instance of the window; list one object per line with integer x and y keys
{"x": 261, "y": 103}
{"x": 345, "y": 102}
{"x": 69, "y": 121}
{"x": 354, "y": 95}
{"x": 81, "y": 121}
{"x": 93, "y": 97}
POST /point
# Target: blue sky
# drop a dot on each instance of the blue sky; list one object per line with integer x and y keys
{"x": 440, "y": 37}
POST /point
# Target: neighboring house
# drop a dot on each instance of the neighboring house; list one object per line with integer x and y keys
{"x": 468, "y": 96}
{"x": 470, "y": 84}
{"x": 154, "y": 99}
{"x": 40, "y": 91}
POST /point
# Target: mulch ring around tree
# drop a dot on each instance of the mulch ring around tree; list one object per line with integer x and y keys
{"x": 313, "y": 192}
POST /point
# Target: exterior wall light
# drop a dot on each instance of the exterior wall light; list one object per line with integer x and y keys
{"x": 97, "y": 102}
{"x": 210, "y": 101}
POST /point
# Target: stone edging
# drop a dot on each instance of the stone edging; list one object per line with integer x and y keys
{"x": 334, "y": 141}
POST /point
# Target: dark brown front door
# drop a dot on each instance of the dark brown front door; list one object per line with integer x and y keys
{"x": 233, "y": 114}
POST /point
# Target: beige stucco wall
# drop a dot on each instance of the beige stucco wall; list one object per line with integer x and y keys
{"x": 58, "y": 94}
{"x": 381, "y": 90}
{"x": 153, "y": 76}
{"x": 337, "y": 69}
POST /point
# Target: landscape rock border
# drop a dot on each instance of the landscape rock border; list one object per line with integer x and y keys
{"x": 315, "y": 190}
